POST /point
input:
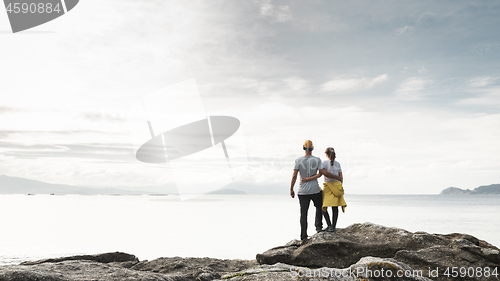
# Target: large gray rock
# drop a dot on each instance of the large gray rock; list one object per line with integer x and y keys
{"x": 102, "y": 258}
{"x": 201, "y": 270}
{"x": 359, "y": 252}
{"x": 460, "y": 253}
{"x": 367, "y": 269}
{"x": 194, "y": 268}
{"x": 76, "y": 270}
{"x": 419, "y": 250}
{"x": 121, "y": 266}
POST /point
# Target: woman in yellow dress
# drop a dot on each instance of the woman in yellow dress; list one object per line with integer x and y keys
{"x": 333, "y": 191}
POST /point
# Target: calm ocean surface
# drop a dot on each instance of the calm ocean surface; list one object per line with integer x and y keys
{"x": 218, "y": 226}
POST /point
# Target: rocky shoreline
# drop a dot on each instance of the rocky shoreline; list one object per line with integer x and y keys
{"x": 358, "y": 252}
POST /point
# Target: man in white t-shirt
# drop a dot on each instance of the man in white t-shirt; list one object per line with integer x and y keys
{"x": 308, "y": 165}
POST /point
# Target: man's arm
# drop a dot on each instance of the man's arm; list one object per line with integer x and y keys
{"x": 327, "y": 174}
{"x": 318, "y": 175}
{"x": 294, "y": 179}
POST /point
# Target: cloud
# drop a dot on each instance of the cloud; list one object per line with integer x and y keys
{"x": 414, "y": 88}
{"x": 346, "y": 85}
{"x": 422, "y": 70}
{"x": 406, "y": 29}
{"x": 482, "y": 81}
{"x": 297, "y": 85}
{"x": 102, "y": 151}
{"x": 411, "y": 28}
{"x": 278, "y": 13}
{"x": 488, "y": 97}
{"x": 4, "y": 109}
{"x": 484, "y": 91}
{"x": 413, "y": 69}
{"x": 103, "y": 117}
{"x": 425, "y": 16}
{"x": 277, "y": 87}
{"x": 17, "y": 145}
{"x": 42, "y": 135}
{"x": 485, "y": 48}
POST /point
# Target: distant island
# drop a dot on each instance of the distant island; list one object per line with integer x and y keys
{"x": 485, "y": 189}
{"x": 227, "y": 191}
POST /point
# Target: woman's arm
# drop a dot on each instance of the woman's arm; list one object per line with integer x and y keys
{"x": 318, "y": 175}
{"x": 341, "y": 178}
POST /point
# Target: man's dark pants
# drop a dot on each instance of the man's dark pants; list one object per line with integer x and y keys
{"x": 304, "y": 201}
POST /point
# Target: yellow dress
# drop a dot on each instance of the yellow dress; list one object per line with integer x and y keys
{"x": 333, "y": 195}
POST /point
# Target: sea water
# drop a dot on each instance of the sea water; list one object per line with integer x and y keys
{"x": 219, "y": 226}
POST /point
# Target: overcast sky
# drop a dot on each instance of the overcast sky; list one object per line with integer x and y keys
{"x": 407, "y": 92}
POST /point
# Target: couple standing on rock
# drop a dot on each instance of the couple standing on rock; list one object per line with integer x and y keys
{"x": 309, "y": 190}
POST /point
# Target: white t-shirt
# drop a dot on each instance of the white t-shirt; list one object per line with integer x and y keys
{"x": 335, "y": 169}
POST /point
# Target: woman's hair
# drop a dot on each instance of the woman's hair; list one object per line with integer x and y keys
{"x": 330, "y": 152}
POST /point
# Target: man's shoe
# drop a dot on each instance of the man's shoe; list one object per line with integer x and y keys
{"x": 304, "y": 241}
{"x": 330, "y": 228}
{"x": 318, "y": 230}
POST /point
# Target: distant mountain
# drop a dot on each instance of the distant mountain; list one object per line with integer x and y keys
{"x": 485, "y": 189}
{"x": 259, "y": 188}
{"x": 227, "y": 191}
{"x": 14, "y": 185}
{"x": 454, "y": 191}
